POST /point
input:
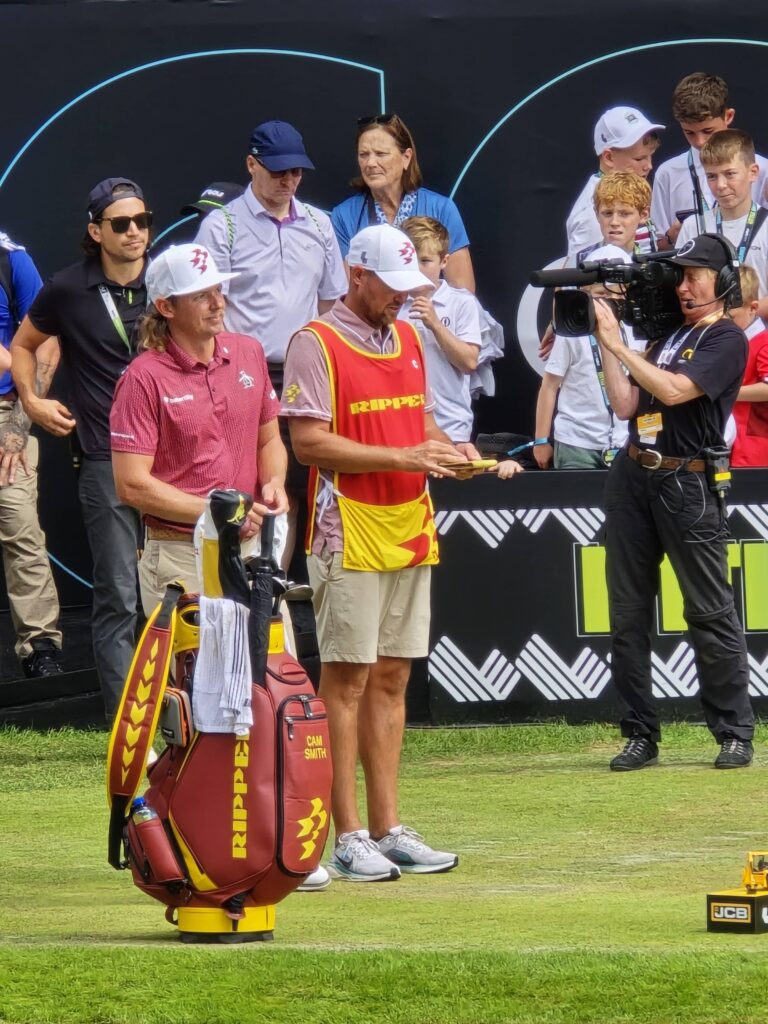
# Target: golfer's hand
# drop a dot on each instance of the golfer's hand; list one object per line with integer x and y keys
{"x": 51, "y": 416}
{"x": 275, "y": 499}
{"x": 438, "y": 458}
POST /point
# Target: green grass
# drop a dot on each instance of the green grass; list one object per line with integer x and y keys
{"x": 580, "y": 897}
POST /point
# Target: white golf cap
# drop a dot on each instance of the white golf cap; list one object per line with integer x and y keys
{"x": 622, "y": 127}
{"x": 609, "y": 252}
{"x": 390, "y": 254}
{"x": 182, "y": 270}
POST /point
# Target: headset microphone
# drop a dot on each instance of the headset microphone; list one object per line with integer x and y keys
{"x": 698, "y": 305}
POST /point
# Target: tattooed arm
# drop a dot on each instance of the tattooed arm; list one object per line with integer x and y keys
{"x": 14, "y": 432}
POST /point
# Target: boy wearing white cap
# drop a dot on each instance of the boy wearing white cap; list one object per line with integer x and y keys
{"x": 625, "y": 140}
{"x": 194, "y": 412}
{"x": 358, "y": 406}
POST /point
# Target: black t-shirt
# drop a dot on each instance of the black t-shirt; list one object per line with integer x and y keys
{"x": 70, "y": 306}
{"x": 714, "y": 357}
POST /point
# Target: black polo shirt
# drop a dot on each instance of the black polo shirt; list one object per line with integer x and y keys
{"x": 714, "y": 357}
{"x": 70, "y": 306}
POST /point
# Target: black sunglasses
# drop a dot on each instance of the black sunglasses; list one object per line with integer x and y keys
{"x": 122, "y": 224}
{"x": 375, "y": 119}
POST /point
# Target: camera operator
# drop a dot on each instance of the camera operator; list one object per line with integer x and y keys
{"x": 677, "y": 397}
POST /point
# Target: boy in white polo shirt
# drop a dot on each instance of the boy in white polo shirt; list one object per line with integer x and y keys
{"x": 731, "y": 170}
{"x": 587, "y": 433}
{"x": 448, "y": 321}
{"x": 625, "y": 140}
{"x": 700, "y": 106}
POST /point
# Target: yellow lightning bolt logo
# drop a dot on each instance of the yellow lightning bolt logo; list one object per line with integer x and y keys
{"x": 291, "y": 393}
{"x": 312, "y": 827}
{"x": 137, "y": 712}
{"x": 239, "y": 514}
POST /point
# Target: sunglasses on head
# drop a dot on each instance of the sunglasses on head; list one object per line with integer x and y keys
{"x": 122, "y": 224}
{"x": 375, "y": 119}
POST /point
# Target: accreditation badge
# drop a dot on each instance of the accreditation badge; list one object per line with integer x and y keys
{"x": 649, "y": 426}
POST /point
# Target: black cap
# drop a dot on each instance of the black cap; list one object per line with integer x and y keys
{"x": 214, "y": 196}
{"x": 713, "y": 251}
{"x": 109, "y": 191}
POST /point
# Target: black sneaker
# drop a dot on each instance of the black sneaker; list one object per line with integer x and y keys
{"x": 45, "y": 660}
{"x": 639, "y": 752}
{"x": 734, "y": 753}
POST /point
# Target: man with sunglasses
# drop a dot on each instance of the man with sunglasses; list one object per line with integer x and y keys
{"x": 287, "y": 259}
{"x": 94, "y": 307}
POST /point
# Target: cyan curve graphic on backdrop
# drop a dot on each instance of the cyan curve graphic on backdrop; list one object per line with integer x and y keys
{"x": 240, "y": 51}
{"x": 527, "y": 331}
{"x": 582, "y": 67}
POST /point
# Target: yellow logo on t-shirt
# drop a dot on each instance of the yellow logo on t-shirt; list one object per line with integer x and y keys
{"x": 291, "y": 393}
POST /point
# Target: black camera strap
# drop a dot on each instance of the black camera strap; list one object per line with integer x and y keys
{"x": 699, "y": 201}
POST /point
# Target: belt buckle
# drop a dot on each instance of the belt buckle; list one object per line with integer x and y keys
{"x": 657, "y": 456}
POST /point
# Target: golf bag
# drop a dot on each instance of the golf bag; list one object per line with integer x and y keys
{"x": 231, "y": 824}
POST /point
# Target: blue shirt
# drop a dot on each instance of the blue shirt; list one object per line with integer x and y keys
{"x": 351, "y": 216}
{"x": 26, "y": 284}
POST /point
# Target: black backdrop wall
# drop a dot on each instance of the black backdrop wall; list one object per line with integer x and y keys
{"x": 501, "y": 98}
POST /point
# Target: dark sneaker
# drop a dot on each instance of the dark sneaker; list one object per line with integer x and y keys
{"x": 639, "y": 752}
{"x": 734, "y": 753}
{"x": 45, "y": 660}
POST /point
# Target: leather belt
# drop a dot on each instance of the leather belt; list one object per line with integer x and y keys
{"x": 649, "y": 458}
{"x": 10, "y": 397}
{"x": 166, "y": 533}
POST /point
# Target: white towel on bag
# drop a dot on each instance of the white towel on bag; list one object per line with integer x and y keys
{"x": 221, "y": 692}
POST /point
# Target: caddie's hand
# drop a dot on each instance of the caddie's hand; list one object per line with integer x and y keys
{"x": 274, "y": 498}
{"x": 543, "y": 454}
{"x": 51, "y": 416}
{"x": 547, "y": 343}
{"x": 9, "y": 466}
{"x": 422, "y": 308}
{"x": 607, "y": 326}
{"x": 672, "y": 232}
{"x": 253, "y": 520}
{"x": 438, "y": 458}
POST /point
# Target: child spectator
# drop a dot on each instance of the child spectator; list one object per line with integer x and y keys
{"x": 587, "y": 434}
{"x": 625, "y": 140}
{"x": 750, "y": 410}
{"x": 700, "y": 106}
{"x": 448, "y": 321}
{"x": 730, "y": 167}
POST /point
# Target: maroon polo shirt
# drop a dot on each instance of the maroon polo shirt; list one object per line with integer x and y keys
{"x": 200, "y": 422}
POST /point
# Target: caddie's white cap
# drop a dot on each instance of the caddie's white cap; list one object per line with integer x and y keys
{"x": 622, "y": 127}
{"x": 182, "y": 270}
{"x": 390, "y": 254}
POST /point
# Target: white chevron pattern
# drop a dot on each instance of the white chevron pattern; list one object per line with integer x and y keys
{"x": 494, "y": 680}
{"x": 492, "y": 525}
{"x": 586, "y": 679}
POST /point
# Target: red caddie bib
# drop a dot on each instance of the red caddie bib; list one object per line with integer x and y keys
{"x": 378, "y": 399}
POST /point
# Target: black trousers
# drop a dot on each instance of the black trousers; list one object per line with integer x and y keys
{"x": 650, "y": 513}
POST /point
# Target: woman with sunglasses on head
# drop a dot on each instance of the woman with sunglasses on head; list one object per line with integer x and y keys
{"x": 389, "y": 191}
{"x": 94, "y": 307}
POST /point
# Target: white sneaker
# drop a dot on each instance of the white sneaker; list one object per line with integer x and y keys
{"x": 408, "y": 850}
{"x": 358, "y": 859}
{"x": 316, "y": 882}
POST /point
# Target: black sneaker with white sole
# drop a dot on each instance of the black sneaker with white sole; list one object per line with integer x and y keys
{"x": 734, "y": 753}
{"x": 639, "y": 752}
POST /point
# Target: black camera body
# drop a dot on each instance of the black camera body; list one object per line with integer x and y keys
{"x": 646, "y": 298}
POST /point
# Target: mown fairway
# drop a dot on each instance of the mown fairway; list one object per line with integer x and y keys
{"x": 580, "y": 897}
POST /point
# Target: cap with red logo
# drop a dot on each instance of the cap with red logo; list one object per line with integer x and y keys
{"x": 182, "y": 270}
{"x": 390, "y": 254}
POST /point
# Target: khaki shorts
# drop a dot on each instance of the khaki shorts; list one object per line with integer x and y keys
{"x": 162, "y": 562}
{"x": 362, "y": 616}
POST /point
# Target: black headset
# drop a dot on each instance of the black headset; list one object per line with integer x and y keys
{"x": 727, "y": 285}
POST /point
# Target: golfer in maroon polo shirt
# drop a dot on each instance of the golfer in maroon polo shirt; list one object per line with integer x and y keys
{"x": 193, "y": 412}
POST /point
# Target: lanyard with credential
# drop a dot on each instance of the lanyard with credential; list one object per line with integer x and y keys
{"x": 697, "y": 192}
{"x": 749, "y": 230}
{"x": 114, "y": 316}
